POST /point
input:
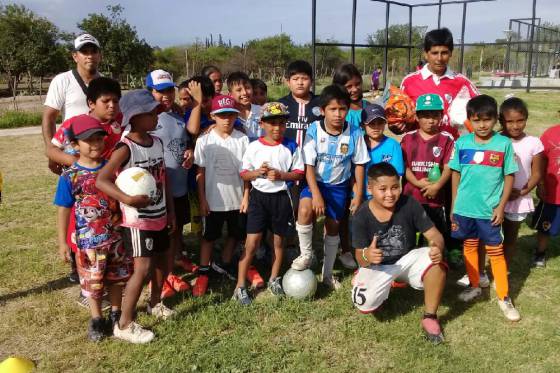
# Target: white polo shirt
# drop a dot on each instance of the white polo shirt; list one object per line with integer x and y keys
{"x": 66, "y": 95}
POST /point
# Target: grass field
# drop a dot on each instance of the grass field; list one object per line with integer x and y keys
{"x": 40, "y": 320}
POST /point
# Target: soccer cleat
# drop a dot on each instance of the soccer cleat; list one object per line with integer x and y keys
{"x": 347, "y": 260}
{"x": 242, "y": 296}
{"x": 186, "y": 265}
{"x": 484, "y": 281}
{"x": 95, "y": 329}
{"x": 275, "y": 287}
{"x": 432, "y": 329}
{"x": 507, "y": 307}
{"x": 254, "y": 278}
{"x": 200, "y": 286}
{"x": 167, "y": 290}
{"x": 133, "y": 333}
{"x": 470, "y": 294}
{"x": 539, "y": 260}
{"x": 177, "y": 283}
{"x": 160, "y": 311}
{"x": 73, "y": 277}
{"x": 301, "y": 263}
{"x": 332, "y": 283}
{"x": 223, "y": 269}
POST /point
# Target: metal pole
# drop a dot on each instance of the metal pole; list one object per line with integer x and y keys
{"x": 313, "y": 27}
{"x": 462, "y": 60}
{"x": 538, "y": 49}
{"x": 354, "y": 31}
{"x": 410, "y": 38}
{"x": 508, "y": 50}
{"x": 386, "y": 51}
{"x": 530, "y": 68}
{"x": 518, "y": 46}
{"x": 439, "y": 14}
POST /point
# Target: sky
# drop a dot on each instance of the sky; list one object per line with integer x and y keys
{"x": 179, "y": 22}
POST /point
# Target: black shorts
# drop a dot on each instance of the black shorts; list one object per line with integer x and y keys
{"x": 141, "y": 243}
{"x": 214, "y": 223}
{"x": 437, "y": 216}
{"x": 271, "y": 211}
{"x": 182, "y": 210}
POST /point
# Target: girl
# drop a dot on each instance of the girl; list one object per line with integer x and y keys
{"x": 215, "y": 75}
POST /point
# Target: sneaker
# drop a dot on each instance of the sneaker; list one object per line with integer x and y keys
{"x": 302, "y": 262}
{"x": 95, "y": 329}
{"x": 167, "y": 290}
{"x": 73, "y": 277}
{"x": 509, "y": 310}
{"x": 242, "y": 296}
{"x": 469, "y": 294}
{"x": 133, "y": 333}
{"x": 432, "y": 329}
{"x": 178, "y": 284}
{"x": 200, "y": 286}
{"x": 223, "y": 270}
{"x": 275, "y": 286}
{"x": 332, "y": 283}
{"x": 347, "y": 260}
{"x": 186, "y": 265}
{"x": 113, "y": 320}
{"x": 539, "y": 260}
{"x": 484, "y": 281}
{"x": 254, "y": 278}
{"x": 160, "y": 311}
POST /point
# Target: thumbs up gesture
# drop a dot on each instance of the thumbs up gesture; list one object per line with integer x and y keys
{"x": 435, "y": 253}
{"x": 372, "y": 253}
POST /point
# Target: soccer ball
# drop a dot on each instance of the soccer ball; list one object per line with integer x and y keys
{"x": 136, "y": 181}
{"x": 299, "y": 284}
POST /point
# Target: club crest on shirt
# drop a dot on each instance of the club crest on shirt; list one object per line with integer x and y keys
{"x": 546, "y": 225}
{"x": 316, "y": 110}
{"x": 323, "y": 139}
{"x": 448, "y": 98}
{"x": 436, "y": 150}
{"x": 386, "y": 158}
{"x": 344, "y": 148}
{"x": 150, "y": 244}
{"x": 494, "y": 158}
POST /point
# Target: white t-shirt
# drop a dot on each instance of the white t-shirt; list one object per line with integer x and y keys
{"x": 284, "y": 156}
{"x": 66, "y": 95}
{"x": 221, "y": 158}
{"x": 525, "y": 149}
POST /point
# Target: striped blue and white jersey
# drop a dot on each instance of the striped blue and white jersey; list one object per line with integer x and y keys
{"x": 333, "y": 155}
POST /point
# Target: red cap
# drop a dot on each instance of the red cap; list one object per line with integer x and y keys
{"x": 223, "y": 104}
{"x": 83, "y": 126}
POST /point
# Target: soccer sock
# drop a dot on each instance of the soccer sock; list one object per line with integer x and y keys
{"x": 305, "y": 235}
{"x": 331, "y": 247}
{"x": 470, "y": 251}
{"x": 499, "y": 269}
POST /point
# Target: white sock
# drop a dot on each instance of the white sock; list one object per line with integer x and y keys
{"x": 331, "y": 248}
{"x": 305, "y": 234}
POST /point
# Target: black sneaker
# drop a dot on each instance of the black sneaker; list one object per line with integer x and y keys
{"x": 95, "y": 329}
{"x": 73, "y": 277}
{"x": 275, "y": 286}
{"x": 113, "y": 320}
{"x": 539, "y": 260}
{"x": 224, "y": 270}
{"x": 242, "y": 296}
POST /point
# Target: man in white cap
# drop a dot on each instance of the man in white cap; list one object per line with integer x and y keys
{"x": 67, "y": 91}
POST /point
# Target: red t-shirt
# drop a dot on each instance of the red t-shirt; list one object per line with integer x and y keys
{"x": 420, "y": 156}
{"x": 551, "y": 141}
{"x": 447, "y": 86}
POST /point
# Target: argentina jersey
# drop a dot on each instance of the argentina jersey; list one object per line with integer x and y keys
{"x": 333, "y": 155}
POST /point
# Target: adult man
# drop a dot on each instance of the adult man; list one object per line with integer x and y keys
{"x": 67, "y": 91}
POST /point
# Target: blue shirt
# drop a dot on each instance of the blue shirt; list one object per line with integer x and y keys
{"x": 388, "y": 150}
{"x": 355, "y": 117}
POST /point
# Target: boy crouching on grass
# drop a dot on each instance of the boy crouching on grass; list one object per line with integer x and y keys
{"x": 384, "y": 235}
{"x": 269, "y": 164}
{"x": 101, "y": 259}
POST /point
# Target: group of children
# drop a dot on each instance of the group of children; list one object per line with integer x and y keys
{"x": 276, "y": 167}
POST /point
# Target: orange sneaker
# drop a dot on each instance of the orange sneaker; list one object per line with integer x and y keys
{"x": 167, "y": 290}
{"x": 399, "y": 285}
{"x": 200, "y": 286}
{"x": 186, "y": 264}
{"x": 255, "y": 278}
{"x": 177, "y": 283}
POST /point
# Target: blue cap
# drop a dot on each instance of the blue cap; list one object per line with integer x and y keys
{"x": 159, "y": 80}
{"x": 138, "y": 101}
{"x": 373, "y": 111}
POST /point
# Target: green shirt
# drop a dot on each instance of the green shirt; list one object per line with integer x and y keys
{"x": 482, "y": 167}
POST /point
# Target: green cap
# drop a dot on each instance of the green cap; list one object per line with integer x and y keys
{"x": 430, "y": 101}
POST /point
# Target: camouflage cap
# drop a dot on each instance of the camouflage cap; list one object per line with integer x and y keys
{"x": 274, "y": 110}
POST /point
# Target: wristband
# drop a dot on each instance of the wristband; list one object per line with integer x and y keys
{"x": 364, "y": 257}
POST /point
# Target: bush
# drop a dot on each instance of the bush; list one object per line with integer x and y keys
{"x": 14, "y": 119}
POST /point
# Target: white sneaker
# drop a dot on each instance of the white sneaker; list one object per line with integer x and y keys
{"x": 509, "y": 310}
{"x": 133, "y": 333}
{"x": 332, "y": 283}
{"x": 347, "y": 260}
{"x": 484, "y": 281}
{"x": 301, "y": 263}
{"x": 469, "y": 294}
{"x": 160, "y": 310}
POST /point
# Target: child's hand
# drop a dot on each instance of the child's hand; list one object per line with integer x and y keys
{"x": 55, "y": 167}
{"x": 373, "y": 254}
{"x": 422, "y": 183}
{"x": 244, "y": 205}
{"x": 263, "y": 170}
{"x": 188, "y": 159}
{"x": 515, "y": 194}
{"x": 430, "y": 191}
{"x": 64, "y": 252}
{"x": 497, "y": 216}
{"x": 138, "y": 201}
{"x": 435, "y": 253}
{"x": 273, "y": 174}
{"x": 318, "y": 204}
{"x": 541, "y": 192}
{"x": 204, "y": 208}
{"x": 354, "y": 204}
{"x": 195, "y": 91}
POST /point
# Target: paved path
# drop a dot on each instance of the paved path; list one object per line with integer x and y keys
{"x": 22, "y": 131}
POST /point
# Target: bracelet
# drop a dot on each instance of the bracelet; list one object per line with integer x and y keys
{"x": 364, "y": 257}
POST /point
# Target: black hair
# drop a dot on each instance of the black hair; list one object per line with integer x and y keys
{"x": 345, "y": 73}
{"x": 259, "y": 84}
{"x": 209, "y": 70}
{"x": 482, "y": 106}
{"x": 298, "y": 67}
{"x": 205, "y": 85}
{"x": 437, "y": 37}
{"x": 103, "y": 86}
{"x": 381, "y": 169}
{"x": 237, "y": 77}
{"x": 515, "y": 104}
{"x": 333, "y": 92}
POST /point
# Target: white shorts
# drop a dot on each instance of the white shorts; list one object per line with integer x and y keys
{"x": 371, "y": 285}
{"x": 516, "y": 216}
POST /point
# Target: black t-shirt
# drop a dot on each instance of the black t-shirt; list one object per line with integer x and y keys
{"x": 395, "y": 237}
{"x": 301, "y": 116}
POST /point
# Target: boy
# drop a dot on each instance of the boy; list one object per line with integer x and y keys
{"x": 201, "y": 91}
{"x": 269, "y": 164}
{"x": 100, "y": 257}
{"x": 384, "y": 235}
{"x": 424, "y": 149}
{"x": 223, "y": 195}
{"x": 147, "y": 223}
{"x": 184, "y": 99}
{"x": 240, "y": 89}
{"x": 380, "y": 147}
{"x": 547, "y": 220}
{"x": 173, "y": 134}
{"x": 260, "y": 92}
{"x": 483, "y": 165}
{"x": 332, "y": 148}
{"x": 349, "y": 77}
{"x": 375, "y": 79}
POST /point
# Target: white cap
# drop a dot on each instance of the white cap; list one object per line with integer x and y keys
{"x": 84, "y": 39}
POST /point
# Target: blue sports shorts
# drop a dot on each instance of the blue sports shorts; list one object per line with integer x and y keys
{"x": 464, "y": 228}
{"x": 546, "y": 219}
{"x": 335, "y": 196}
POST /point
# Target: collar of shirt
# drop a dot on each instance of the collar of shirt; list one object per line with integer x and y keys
{"x": 426, "y": 73}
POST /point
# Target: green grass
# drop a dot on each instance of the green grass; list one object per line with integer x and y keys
{"x": 39, "y": 318}
{"x": 14, "y": 119}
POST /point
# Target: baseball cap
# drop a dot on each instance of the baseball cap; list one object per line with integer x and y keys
{"x": 84, "y": 126}
{"x": 223, "y": 104}
{"x": 138, "y": 101}
{"x": 429, "y": 101}
{"x": 373, "y": 111}
{"x": 274, "y": 110}
{"x": 84, "y": 40}
{"x": 159, "y": 80}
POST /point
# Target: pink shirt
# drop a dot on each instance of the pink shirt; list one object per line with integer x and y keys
{"x": 551, "y": 142}
{"x": 525, "y": 149}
